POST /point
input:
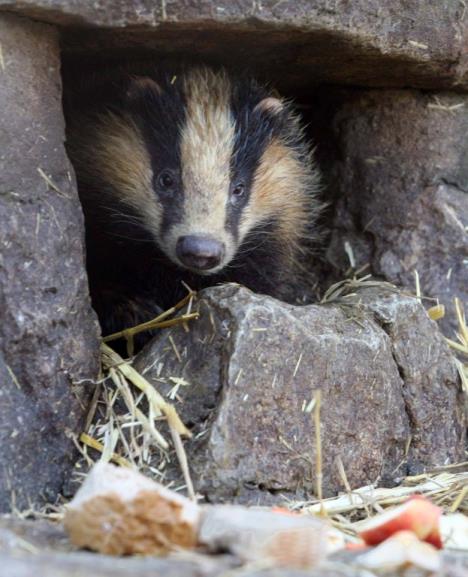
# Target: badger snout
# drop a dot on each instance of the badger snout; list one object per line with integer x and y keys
{"x": 201, "y": 253}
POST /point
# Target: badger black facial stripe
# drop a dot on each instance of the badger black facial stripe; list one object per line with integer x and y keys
{"x": 256, "y": 127}
{"x": 160, "y": 114}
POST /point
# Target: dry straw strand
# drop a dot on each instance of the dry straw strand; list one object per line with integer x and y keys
{"x": 96, "y": 445}
{"x": 112, "y": 359}
{"x": 158, "y": 322}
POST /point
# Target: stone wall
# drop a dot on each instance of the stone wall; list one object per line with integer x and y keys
{"x": 398, "y": 173}
{"x": 48, "y": 332}
{"x": 364, "y": 42}
{"x": 394, "y": 158}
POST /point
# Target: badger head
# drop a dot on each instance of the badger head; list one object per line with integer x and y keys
{"x": 204, "y": 162}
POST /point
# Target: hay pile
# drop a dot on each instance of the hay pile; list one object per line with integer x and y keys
{"x": 133, "y": 437}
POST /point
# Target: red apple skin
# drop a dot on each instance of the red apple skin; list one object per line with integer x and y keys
{"x": 435, "y": 539}
{"x": 417, "y": 514}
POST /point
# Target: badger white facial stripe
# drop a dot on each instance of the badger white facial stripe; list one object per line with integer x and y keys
{"x": 206, "y": 145}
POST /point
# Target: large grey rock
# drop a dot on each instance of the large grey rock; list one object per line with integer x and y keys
{"x": 426, "y": 368}
{"x": 254, "y": 364}
{"x": 48, "y": 333}
{"x": 398, "y": 43}
{"x": 400, "y": 175}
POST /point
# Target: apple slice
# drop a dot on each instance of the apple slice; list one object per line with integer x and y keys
{"x": 403, "y": 550}
{"x": 417, "y": 514}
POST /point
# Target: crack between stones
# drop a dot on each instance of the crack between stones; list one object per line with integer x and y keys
{"x": 385, "y": 326}
{"x": 453, "y": 184}
{"x": 224, "y": 315}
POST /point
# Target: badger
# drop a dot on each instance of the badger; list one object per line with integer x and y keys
{"x": 196, "y": 177}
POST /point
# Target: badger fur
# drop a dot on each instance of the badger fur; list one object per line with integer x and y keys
{"x": 194, "y": 177}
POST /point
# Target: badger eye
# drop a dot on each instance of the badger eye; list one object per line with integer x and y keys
{"x": 238, "y": 193}
{"x": 166, "y": 180}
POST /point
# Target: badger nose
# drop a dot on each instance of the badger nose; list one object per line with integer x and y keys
{"x": 199, "y": 252}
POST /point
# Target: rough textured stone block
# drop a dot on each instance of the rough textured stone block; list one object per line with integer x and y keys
{"x": 48, "y": 332}
{"x": 400, "y": 174}
{"x": 365, "y": 42}
{"x": 254, "y": 364}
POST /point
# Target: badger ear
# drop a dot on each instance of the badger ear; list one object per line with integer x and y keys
{"x": 142, "y": 86}
{"x": 270, "y": 104}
